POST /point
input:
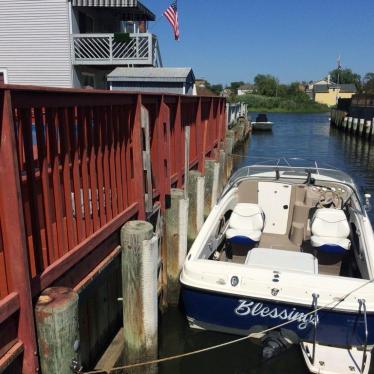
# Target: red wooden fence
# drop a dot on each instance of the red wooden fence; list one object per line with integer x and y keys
{"x": 71, "y": 174}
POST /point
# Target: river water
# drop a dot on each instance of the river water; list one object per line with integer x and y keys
{"x": 294, "y": 135}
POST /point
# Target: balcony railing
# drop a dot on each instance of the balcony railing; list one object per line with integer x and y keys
{"x": 102, "y": 49}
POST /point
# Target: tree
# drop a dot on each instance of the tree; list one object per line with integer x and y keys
{"x": 344, "y": 76}
{"x": 235, "y": 85}
{"x": 216, "y": 88}
{"x": 266, "y": 85}
{"x": 368, "y": 83}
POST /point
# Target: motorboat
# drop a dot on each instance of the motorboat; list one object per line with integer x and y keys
{"x": 262, "y": 123}
{"x": 289, "y": 250}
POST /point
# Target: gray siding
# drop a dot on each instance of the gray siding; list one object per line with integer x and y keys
{"x": 150, "y": 87}
{"x": 35, "y": 42}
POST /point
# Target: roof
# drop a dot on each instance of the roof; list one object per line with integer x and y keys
{"x": 245, "y": 87}
{"x": 134, "y": 5}
{"x": 321, "y": 88}
{"x": 350, "y": 87}
{"x": 151, "y": 74}
{"x": 324, "y": 88}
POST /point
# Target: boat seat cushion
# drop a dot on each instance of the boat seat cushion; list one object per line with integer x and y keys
{"x": 246, "y": 224}
{"x": 330, "y": 230}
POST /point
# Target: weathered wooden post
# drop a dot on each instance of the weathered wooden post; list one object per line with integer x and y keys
{"x": 367, "y": 129}
{"x": 229, "y": 146}
{"x": 222, "y": 171}
{"x": 350, "y": 119}
{"x": 139, "y": 289}
{"x": 176, "y": 219}
{"x": 355, "y": 125}
{"x": 56, "y": 316}
{"x": 211, "y": 185}
{"x": 196, "y": 204}
{"x": 361, "y": 126}
{"x": 345, "y": 123}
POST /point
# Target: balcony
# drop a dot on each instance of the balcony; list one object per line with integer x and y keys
{"x": 102, "y": 49}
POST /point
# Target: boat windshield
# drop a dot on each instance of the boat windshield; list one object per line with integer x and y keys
{"x": 289, "y": 169}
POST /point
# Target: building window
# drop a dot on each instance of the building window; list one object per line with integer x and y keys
{"x": 3, "y": 76}
{"x": 130, "y": 27}
{"x": 88, "y": 80}
{"x": 86, "y": 24}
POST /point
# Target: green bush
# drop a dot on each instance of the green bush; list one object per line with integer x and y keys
{"x": 297, "y": 103}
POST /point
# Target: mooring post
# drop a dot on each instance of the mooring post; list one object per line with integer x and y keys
{"x": 229, "y": 146}
{"x": 361, "y": 126}
{"x": 349, "y": 124}
{"x": 211, "y": 185}
{"x": 176, "y": 219}
{"x": 222, "y": 170}
{"x": 367, "y": 129}
{"x": 355, "y": 125}
{"x": 139, "y": 290}
{"x": 56, "y": 316}
{"x": 345, "y": 123}
{"x": 196, "y": 204}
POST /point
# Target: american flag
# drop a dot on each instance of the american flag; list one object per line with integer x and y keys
{"x": 171, "y": 13}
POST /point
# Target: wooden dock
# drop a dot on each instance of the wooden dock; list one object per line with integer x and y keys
{"x": 75, "y": 166}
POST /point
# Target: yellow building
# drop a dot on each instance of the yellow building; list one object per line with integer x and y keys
{"x": 330, "y": 93}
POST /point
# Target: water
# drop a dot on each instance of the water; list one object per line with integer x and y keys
{"x": 294, "y": 135}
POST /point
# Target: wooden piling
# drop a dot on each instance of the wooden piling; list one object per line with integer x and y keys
{"x": 345, "y": 123}
{"x": 355, "y": 125}
{"x": 176, "y": 218}
{"x": 196, "y": 204}
{"x": 367, "y": 129}
{"x": 139, "y": 288}
{"x": 211, "y": 185}
{"x": 349, "y": 127}
{"x": 56, "y": 315}
{"x": 361, "y": 126}
{"x": 222, "y": 171}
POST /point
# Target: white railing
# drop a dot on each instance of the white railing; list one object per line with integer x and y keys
{"x": 102, "y": 49}
{"x": 234, "y": 111}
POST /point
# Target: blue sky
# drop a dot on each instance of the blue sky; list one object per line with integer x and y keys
{"x": 225, "y": 41}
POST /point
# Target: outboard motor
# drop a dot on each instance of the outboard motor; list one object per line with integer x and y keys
{"x": 273, "y": 344}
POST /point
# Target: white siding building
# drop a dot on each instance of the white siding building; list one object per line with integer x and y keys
{"x": 73, "y": 43}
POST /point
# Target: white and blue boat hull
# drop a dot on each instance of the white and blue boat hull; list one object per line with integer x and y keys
{"x": 241, "y": 315}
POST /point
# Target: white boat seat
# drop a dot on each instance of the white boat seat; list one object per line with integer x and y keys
{"x": 330, "y": 231}
{"x": 246, "y": 224}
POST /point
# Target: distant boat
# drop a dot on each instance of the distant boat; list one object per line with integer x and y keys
{"x": 262, "y": 123}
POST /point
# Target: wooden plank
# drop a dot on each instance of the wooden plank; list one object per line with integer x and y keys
{"x": 186, "y": 159}
{"x": 147, "y": 159}
{"x": 8, "y": 306}
{"x": 111, "y": 163}
{"x": 52, "y": 121}
{"x": 48, "y": 252}
{"x": 66, "y": 262}
{"x": 99, "y": 165}
{"x": 92, "y": 170}
{"x": 117, "y": 155}
{"x": 105, "y": 151}
{"x": 66, "y": 176}
{"x": 138, "y": 183}
{"x": 10, "y": 356}
{"x": 36, "y": 258}
{"x": 81, "y": 230}
{"x": 14, "y": 235}
{"x": 124, "y": 135}
{"x": 84, "y": 128}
